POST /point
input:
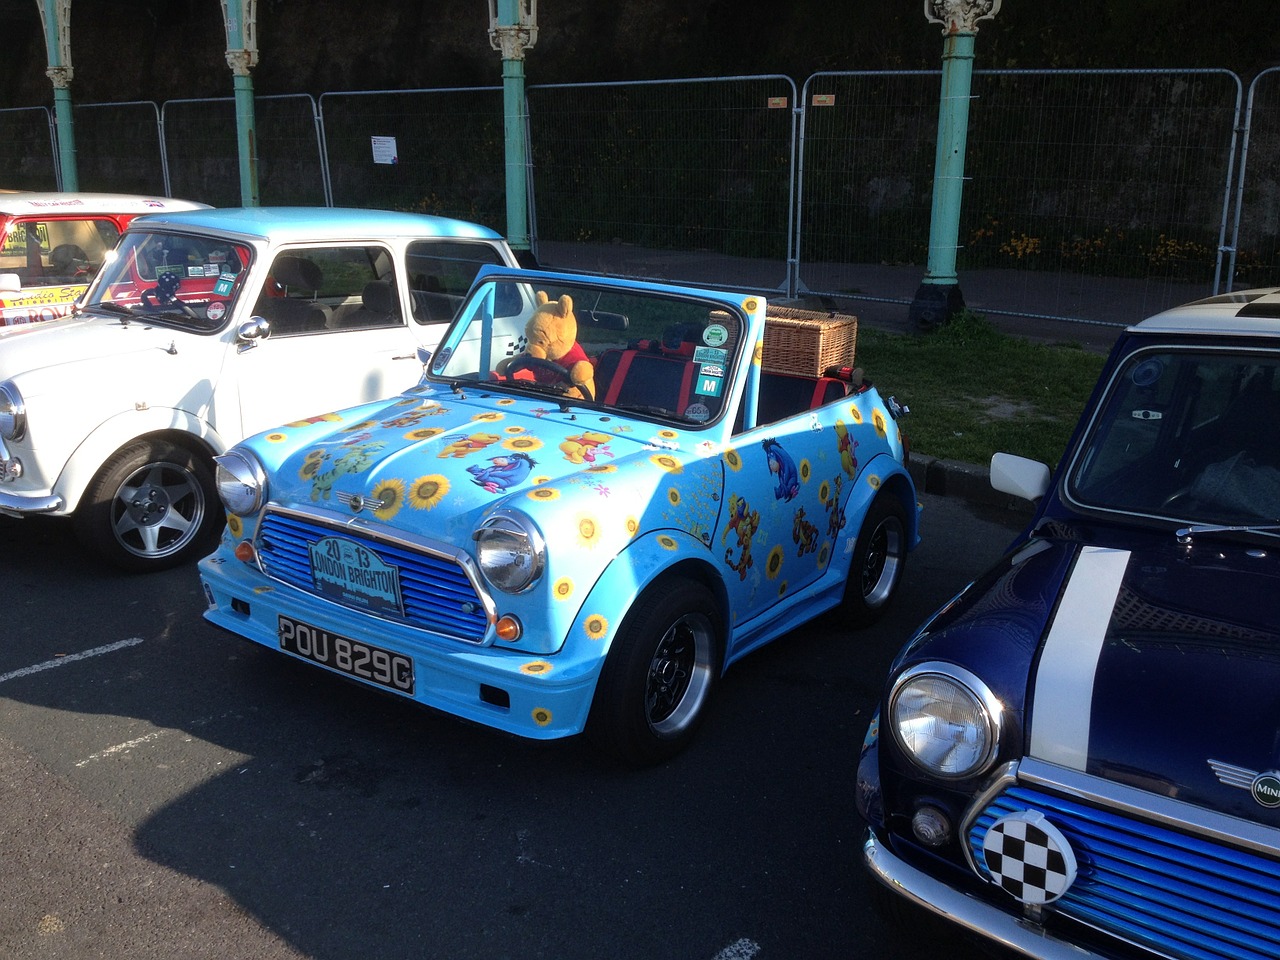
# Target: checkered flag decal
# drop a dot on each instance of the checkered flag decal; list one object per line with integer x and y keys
{"x": 1029, "y": 857}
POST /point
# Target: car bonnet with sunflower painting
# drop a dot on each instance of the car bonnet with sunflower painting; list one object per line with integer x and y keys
{"x": 488, "y": 541}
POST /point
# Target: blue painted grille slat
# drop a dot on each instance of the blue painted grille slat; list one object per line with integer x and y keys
{"x": 435, "y": 591}
{"x": 1185, "y": 896}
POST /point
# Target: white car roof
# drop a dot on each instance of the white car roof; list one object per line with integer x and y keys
{"x": 1240, "y": 313}
{"x": 30, "y": 202}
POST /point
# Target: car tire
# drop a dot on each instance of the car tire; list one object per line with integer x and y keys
{"x": 153, "y": 505}
{"x": 659, "y": 675}
{"x": 875, "y": 569}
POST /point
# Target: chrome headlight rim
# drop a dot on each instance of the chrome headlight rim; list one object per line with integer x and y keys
{"x": 986, "y": 705}
{"x": 13, "y": 412}
{"x": 241, "y": 482}
{"x": 504, "y": 536}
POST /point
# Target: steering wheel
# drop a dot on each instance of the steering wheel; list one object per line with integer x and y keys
{"x": 165, "y": 294}
{"x": 558, "y": 375}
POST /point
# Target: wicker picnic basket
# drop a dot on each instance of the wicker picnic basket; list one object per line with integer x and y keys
{"x": 807, "y": 343}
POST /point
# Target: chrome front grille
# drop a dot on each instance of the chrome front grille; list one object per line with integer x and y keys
{"x": 437, "y": 592}
{"x": 1179, "y": 895}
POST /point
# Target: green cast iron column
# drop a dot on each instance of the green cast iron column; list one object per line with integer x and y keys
{"x": 512, "y": 33}
{"x": 56, "y": 16}
{"x": 242, "y": 56}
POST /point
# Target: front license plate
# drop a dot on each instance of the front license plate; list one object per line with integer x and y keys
{"x": 363, "y": 660}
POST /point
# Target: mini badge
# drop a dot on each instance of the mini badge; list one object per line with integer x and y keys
{"x": 1264, "y": 787}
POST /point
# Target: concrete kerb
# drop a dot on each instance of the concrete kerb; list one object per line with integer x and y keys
{"x": 954, "y": 478}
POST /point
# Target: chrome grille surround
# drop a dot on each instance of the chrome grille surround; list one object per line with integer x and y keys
{"x": 441, "y": 587}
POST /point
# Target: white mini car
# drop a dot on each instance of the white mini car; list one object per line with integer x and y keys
{"x": 202, "y": 328}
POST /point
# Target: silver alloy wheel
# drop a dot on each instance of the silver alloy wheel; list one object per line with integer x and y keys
{"x": 680, "y": 675}
{"x": 157, "y": 510}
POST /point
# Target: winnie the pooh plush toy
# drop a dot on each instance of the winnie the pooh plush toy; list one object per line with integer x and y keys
{"x": 552, "y": 335}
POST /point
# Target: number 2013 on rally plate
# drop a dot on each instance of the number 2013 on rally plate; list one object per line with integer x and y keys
{"x": 387, "y": 669}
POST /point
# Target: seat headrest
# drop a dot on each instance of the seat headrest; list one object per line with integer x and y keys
{"x": 378, "y": 297}
{"x": 295, "y": 272}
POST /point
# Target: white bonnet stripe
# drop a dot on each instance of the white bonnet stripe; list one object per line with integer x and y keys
{"x": 1064, "y": 682}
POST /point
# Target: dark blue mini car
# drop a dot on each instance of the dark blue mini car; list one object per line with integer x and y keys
{"x": 1079, "y": 755}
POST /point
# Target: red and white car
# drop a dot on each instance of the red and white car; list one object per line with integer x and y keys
{"x": 52, "y": 244}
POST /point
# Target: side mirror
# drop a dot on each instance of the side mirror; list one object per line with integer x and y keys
{"x": 251, "y": 331}
{"x": 1018, "y": 476}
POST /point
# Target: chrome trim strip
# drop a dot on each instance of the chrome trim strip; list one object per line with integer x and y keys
{"x": 968, "y": 912}
{"x": 1142, "y": 805}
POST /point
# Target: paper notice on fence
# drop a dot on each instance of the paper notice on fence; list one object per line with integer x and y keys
{"x": 384, "y": 150}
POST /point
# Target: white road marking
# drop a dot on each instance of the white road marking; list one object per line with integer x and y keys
{"x": 743, "y": 949}
{"x": 119, "y": 748}
{"x": 70, "y": 658}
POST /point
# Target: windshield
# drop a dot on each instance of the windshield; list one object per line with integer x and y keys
{"x": 651, "y": 354}
{"x": 1186, "y": 434}
{"x": 181, "y": 279}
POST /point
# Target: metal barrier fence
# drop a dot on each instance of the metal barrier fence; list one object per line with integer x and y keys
{"x": 1097, "y": 196}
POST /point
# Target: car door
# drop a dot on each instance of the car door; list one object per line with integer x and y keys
{"x": 339, "y": 336}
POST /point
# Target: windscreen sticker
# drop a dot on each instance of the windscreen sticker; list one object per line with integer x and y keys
{"x": 709, "y": 386}
{"x": 715, "y": 335}
{"x": 710, "y": 355}
{"x": 224, "y": 285}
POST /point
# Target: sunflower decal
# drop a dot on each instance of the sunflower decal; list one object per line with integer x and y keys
{"x": 489, "y": 416}
{"x": 824, "y": 554}
{"x": 277, "y": 437}
{"x": 667, "y": 462}
{"x": 669, "y": 434}
{"x": 562, "y": 589}
{"x": 424, "y": 433}
{"x": 588, "y": 532}
{"x": 633, "y": 526}
{"x": 235, "y": 525}
{"x": 673, "y": 496}
{"x": 425, "y": 492}
{"x": 391, "y": 495}
{"x": 732, "y": 459}
{"x": 855, "y": 414}
{"x": 806, "y": 471}
{"x": 362, "y": 425}
{"x": 543, "y": 494}
{"x": 873, "y": 481}
{"x": 667, "y": 543}
{"x": 541, "y": 716}
{"x": 881, "y": 427}
{"x": 602, "y": 468}
{"x": 535, "y": 668}
{"x": 596, "y": 626}
{"x": 522, "y": 444}
{"x": 773, "y": 566}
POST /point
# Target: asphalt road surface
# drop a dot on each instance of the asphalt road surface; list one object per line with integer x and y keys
{"x": 170, "y": 792}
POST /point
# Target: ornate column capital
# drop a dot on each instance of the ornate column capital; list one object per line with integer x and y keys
{"x": 960, "y": 16}
{"x": 61, "y": 77}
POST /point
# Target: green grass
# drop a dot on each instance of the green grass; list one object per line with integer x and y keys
{"x": 974, "y": 391}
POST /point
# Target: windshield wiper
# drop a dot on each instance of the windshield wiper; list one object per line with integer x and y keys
{"x": 1186, "y": 534}
{"x": 108, "y": 307}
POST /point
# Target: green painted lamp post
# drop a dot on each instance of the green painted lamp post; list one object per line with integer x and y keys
{"x": 513, "y": 29}
{"x": 938, "y": 296}
{"x": 56, "y": 17}
{"x": 240, "y": 18}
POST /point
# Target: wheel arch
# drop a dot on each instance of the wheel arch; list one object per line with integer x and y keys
{"x": 108, "y": 438}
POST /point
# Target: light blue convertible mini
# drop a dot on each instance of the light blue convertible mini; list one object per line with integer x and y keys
{"x": 551, "y": 540}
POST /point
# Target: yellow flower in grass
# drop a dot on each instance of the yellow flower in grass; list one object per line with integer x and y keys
{"x": 391, "y": 494}
{"x": 732, "y": 459}
{"x": 522, "y": 444}
{"x": 667, "y": 462}
{"x": 541, "y": 716}
{"x": 535, "y": 668}
{"x": 426, "y": 492}
{"x": 562, "y": 589}
{"x": 424, "y": 433}
{"x": 588, "y": 531}
{"x": 543, "y": 494}
{"x": 596, "y": 627}
{"x": 773, "y": 566}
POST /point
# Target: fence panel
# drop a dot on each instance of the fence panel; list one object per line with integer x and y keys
{"x": 27, "y": 150}
{"x": 202, "y": 152}
{"x": 686, "y": 180}
{"x": 118, "y": 148}
{"x": 1257, "y": 240}
{"x": 449, "y": 151}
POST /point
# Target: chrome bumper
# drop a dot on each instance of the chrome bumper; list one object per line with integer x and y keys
{"x": 14, "y": 506}
{"x": 968, "y": 912}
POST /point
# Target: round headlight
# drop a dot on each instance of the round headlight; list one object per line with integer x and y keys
{"x": 945, "y": 719}
{"x": 510, "y": 551}
{"x": 241, "y": 481}
{"x": 13, "y": 413}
